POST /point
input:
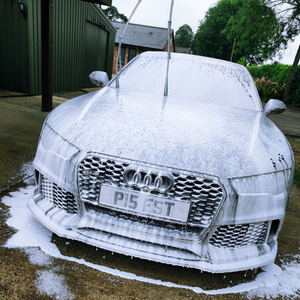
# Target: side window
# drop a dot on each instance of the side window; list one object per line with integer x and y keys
{"x": 132, "y": 54}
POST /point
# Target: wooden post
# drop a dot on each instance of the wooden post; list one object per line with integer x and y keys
{"x": 232, "y": 50}
{"x": 47, "y": 54}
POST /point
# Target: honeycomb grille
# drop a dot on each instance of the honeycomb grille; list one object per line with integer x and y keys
{"x": 58, "y": 196}
{"x": 204, "y": 194}
{"x": 237, "y": 236}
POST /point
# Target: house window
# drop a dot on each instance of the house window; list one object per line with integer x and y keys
{"x": 132, "y": 54}
{"x": 123, "y": 52}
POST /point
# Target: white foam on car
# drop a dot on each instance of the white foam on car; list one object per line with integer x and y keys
{"x": 273, "y": 282}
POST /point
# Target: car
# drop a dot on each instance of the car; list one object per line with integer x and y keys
{"x": 198, "y": 178}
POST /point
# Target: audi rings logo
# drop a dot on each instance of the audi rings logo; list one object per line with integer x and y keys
{"x": 148, "y": 180}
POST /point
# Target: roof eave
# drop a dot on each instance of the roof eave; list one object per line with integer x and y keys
{"x": 101, "y": 2}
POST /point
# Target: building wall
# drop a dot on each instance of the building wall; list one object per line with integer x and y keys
{"x": 116, "y": 54}
{"x": 20, "y": 44}
{"x": 14, "y": 64}
{"x": 70, "y": 41}
{"x": 172, "y": 47}
{"x": 34, "y": 46}
{"x": 138, "y": 51}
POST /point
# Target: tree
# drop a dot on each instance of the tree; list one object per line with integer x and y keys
{"x": 293, "y": 70}
{"x": 210, "y": 40}
{"x": 288, "y": 11}
{"x": 184, "y": 36}
{"x": 113, "y": 14}
{"x": 251, "y": 23}
{"x": 259, "y": 33}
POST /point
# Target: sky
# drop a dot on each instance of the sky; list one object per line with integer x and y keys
{"x": 156, "y": 13}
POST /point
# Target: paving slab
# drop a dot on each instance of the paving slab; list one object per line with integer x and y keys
{"x": 20, "y": 128}
{"x": 8, "y": 93}
{"x": 288, "y": 122}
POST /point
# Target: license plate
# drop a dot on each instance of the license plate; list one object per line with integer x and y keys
{"x": 144, "y": 204}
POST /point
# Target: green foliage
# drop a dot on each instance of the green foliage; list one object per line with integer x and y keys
{"x": 258, "y": 32}
{"x": 277, "y": 73}
{"x": 184, "y": 36}
{"x": 297, "y": 177}
{"x": 295, "y": 144}
{"x": 269, "y": 90}
{"x": 113, "y": 14}
{"x": 275, "y": 91}
{"x": 210, "y": 39}
{"x": 274, "y": 72}
{"x": 242, "y": 61}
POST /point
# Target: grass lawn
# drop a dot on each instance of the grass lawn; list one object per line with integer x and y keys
{"x": 295, "y": 143}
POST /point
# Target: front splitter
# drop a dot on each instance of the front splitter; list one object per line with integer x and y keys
{"x": 222, "y": 260}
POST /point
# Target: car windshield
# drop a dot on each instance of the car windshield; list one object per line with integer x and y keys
{"x": 191, "y": 78}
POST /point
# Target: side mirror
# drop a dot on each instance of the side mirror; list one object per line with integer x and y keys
{"x": 99, "y": 78}
{"x": 274, "y": 107}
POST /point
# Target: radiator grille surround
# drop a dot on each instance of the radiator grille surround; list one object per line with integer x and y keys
{"x": 204, "y": 194}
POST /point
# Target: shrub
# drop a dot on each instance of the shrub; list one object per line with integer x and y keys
{"x": 294, "y": 98}
{"x": 268, "y": 89}
{"x": 276, "y": 73}
{"x": 275, "y": 92}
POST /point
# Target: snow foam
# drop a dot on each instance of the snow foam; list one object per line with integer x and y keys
{"x": 273, "y": 282}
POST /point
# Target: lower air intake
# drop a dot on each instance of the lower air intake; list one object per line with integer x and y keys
{"x": 58, "y": 196}
{"x": 237, "y": 236}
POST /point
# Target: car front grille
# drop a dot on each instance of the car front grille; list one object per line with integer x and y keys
{"x": 205, "y": 194}
{"x": 58, "y": 196}
{"x": 237, "y": 236}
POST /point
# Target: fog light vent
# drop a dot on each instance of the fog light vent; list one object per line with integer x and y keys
{"x": 58, "y": 196}
{"x": 242, "y": 235}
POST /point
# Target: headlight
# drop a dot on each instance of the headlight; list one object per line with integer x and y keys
{"x": 51, "y": 141}
{"x": 272, "y": 183}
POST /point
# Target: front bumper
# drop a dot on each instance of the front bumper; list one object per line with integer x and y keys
{"x": 89, "y": 231}
{"x": 140, "y": 241}
{"x": 242, "y": 235}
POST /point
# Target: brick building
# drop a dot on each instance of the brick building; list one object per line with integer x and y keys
{"x": 138, "y": 39}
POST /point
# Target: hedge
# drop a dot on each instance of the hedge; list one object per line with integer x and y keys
{"x": 277, "y": 74}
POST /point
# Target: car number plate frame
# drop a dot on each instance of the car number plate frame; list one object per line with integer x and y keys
{"x": 144, "y": 204}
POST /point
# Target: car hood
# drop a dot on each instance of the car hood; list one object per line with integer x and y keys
{"x": 212, "y": 139}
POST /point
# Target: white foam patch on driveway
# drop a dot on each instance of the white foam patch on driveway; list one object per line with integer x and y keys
{"x": 38, "y": 257}
{"x": 273, "y": 282}
{"x": 285, "y": 283}
{"x": 57, "y": 288}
